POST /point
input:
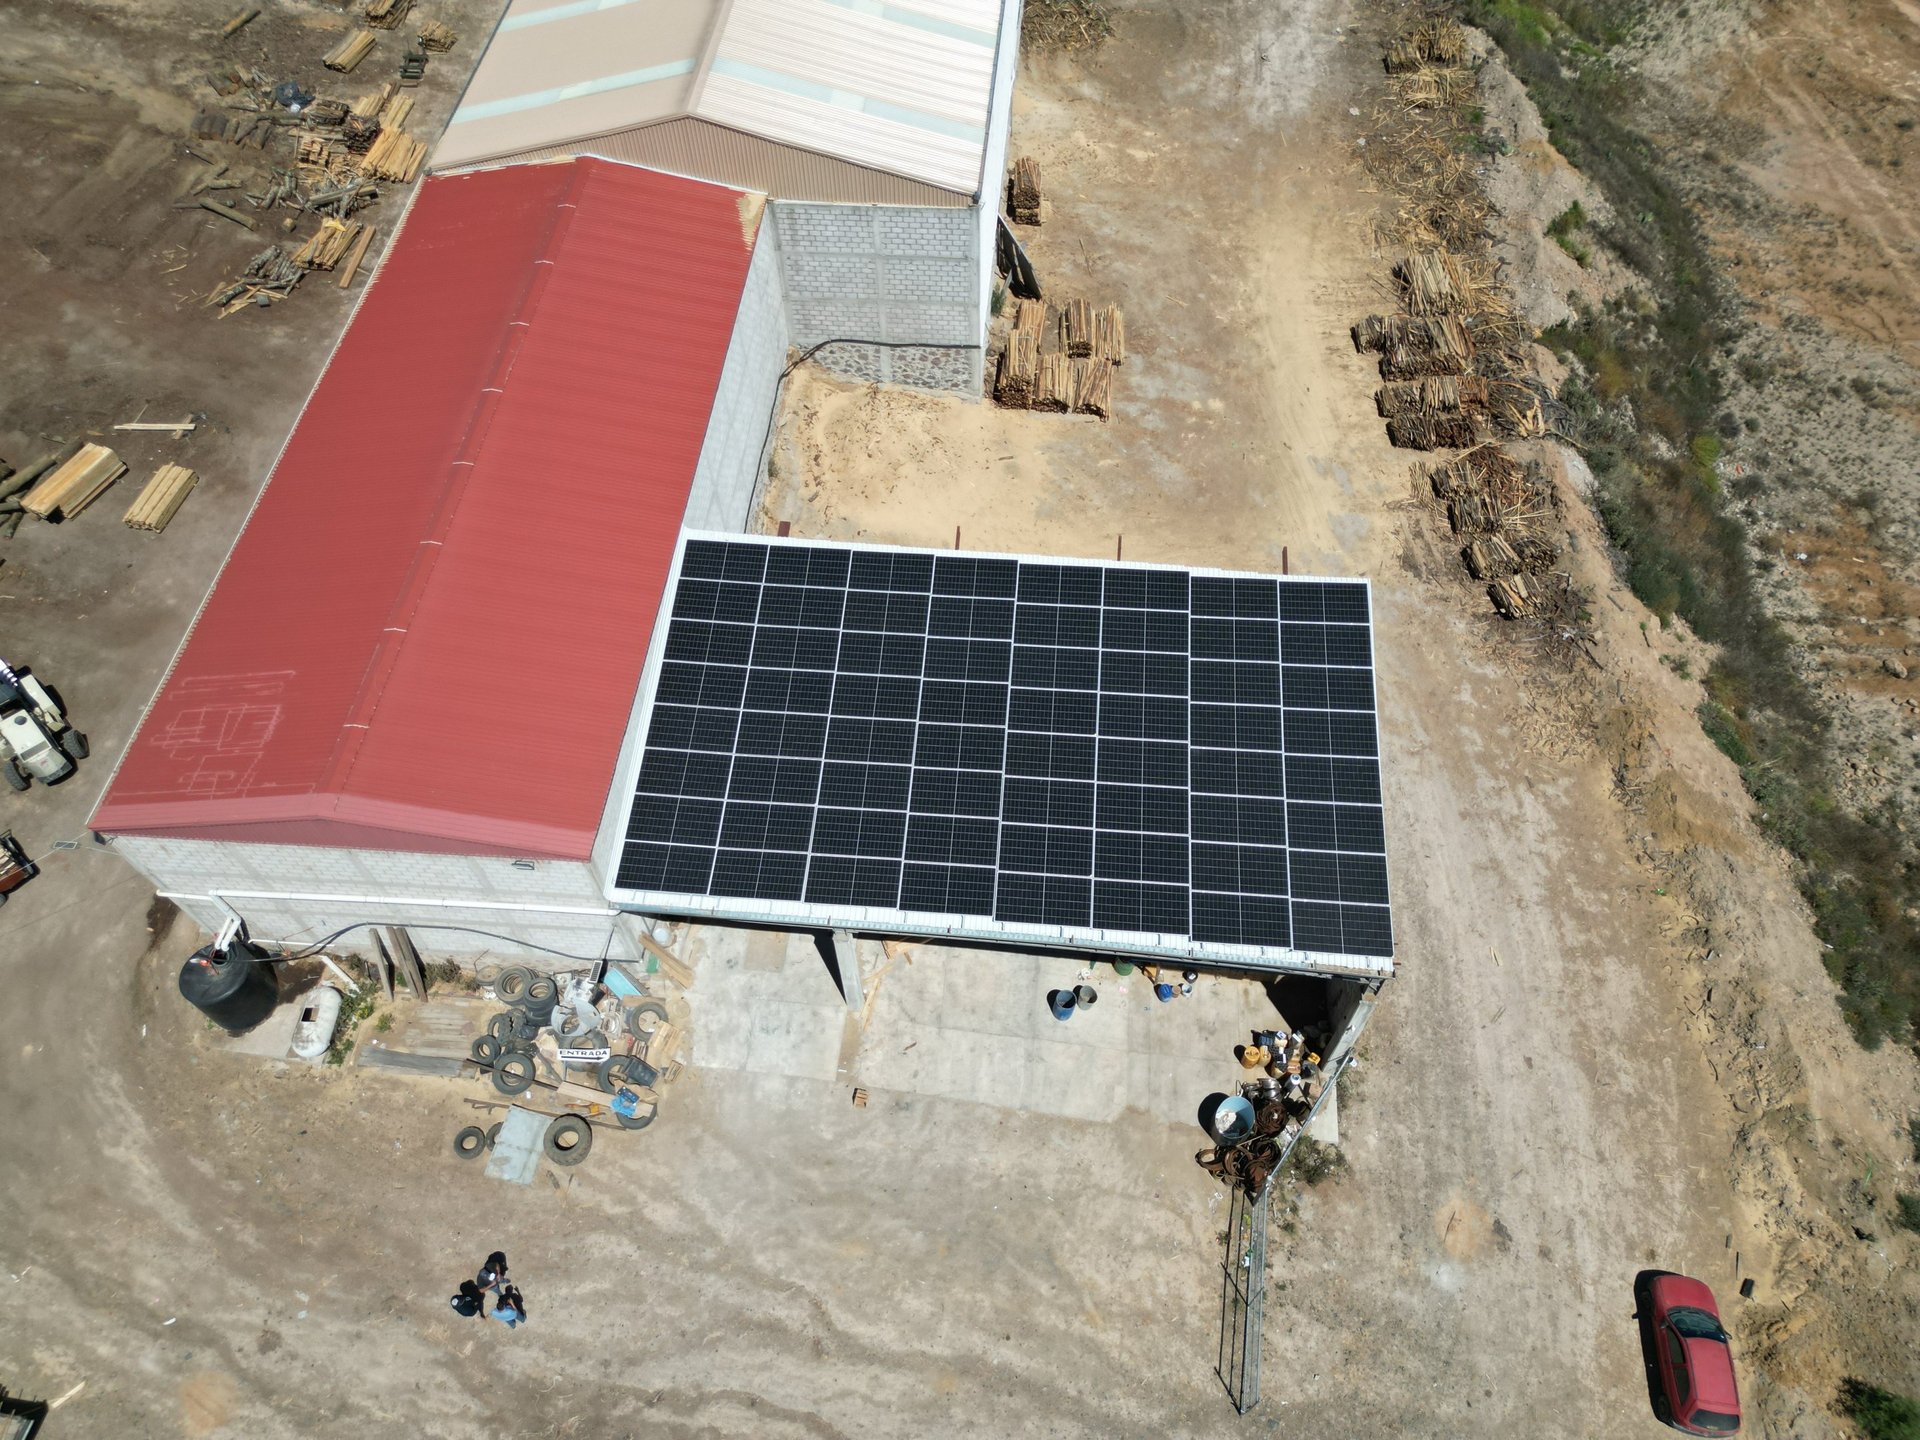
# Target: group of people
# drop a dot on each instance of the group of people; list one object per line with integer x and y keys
{"x": 471, "y": 1299}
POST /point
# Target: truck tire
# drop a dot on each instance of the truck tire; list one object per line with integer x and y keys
{"x": 75, "y": 744}
{"x": 15, "y": 778}
{"x": 486, "y": 1049}
{"x": 513, "y": 1073}
{"x": 568, "y": 1139}
{"x": 470, "y": 1143}
{"x": 510, "y": 986}
{"x": 541, "y": 992}
{"x": 655, "y": 1008}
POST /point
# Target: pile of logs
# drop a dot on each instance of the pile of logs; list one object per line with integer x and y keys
{"x": 1410, "y": 346}
{"x": 1078, "y": 377}
{"x": 1431, "y": 432}
{"x": 1023, "y": 193}
{"x": 74, "y": 484}
{"x": 349, "y": 52}
{"x": 436, "y": 38}
{"x": 160, "y": 498}
{"x": 253, "y": 131}
{"x": 1438, "y": 42}
{"x": 269, "y": 276}
{"x": 1434, "y": 282}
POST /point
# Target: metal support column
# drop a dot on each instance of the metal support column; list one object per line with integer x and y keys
{"x": 846, "y": 960}
{"x": 1243, "y": 1298}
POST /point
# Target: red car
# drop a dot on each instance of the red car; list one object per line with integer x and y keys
{"x": 1691, "y": 1356}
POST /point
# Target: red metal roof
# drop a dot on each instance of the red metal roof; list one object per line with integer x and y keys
{"x": 430, "y": 633}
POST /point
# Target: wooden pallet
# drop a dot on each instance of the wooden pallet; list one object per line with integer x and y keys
{"x": 161, "y": 498}
{"x": 74, "y": 485}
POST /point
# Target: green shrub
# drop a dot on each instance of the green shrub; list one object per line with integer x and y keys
{"x": 1312, "y": 1163}
{"x": 1908, "y": 1217}
{"x": 1880, "y": 1414}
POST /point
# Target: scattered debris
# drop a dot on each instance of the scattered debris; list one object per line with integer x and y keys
{"x": 161, "y": 497}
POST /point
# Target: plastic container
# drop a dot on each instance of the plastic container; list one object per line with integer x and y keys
{"x": 1164, "y": 991}
{"x": 236, "y": 993}
{"x": 1232, "y": 1120}
{"x": 1084, "y": 995}
{"x": 1060, "y": 1002}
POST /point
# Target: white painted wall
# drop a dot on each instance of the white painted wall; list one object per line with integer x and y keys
{"x": 993, "y": 173}
{"x": 733, "y": 456}
{"x": 296, "y": 894}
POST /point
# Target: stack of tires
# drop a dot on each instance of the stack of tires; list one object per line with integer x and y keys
{"x": 507, "y": 1047}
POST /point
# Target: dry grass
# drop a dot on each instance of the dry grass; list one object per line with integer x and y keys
{"x": 1065, "y": 24}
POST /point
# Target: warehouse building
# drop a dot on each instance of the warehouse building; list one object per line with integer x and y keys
{"x": 405, "y": 696}
{"x": 878, "y": 131}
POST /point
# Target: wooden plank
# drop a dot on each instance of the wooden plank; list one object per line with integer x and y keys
{"x": 226, "y": 212}
{"x": 72, "y": 486}
{"x": 671, "y": 965}
{"x": 238, "y": 23}
{"x": 358, "y": 253}
{"x": 161, "y": 498}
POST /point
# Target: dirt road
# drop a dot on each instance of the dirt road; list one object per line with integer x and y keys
{"x": 220, "y": 1248}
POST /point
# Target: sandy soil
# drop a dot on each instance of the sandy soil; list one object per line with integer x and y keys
{"x": 1561, "y": 1088}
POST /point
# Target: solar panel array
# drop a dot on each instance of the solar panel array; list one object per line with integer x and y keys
{"x": 1034, "y": 746}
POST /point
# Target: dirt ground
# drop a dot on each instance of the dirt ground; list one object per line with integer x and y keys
{"x": 1610, "y": 1045}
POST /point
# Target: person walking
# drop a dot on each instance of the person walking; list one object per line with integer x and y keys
{"x": 508, "y": 1307}
{"x": 470, "y": 1300}
{"x": 493, "y": 1274}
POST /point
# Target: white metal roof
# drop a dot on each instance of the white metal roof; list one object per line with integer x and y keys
{"x": 901, "y": 86}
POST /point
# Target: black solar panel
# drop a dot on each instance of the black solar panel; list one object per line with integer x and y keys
{"x": 1191, "y": 758}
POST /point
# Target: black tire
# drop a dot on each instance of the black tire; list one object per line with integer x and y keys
{"x": 592, "y": 1040}
{"x": 513, "y": 1073}
{"x": 15, "y": 778}
{"x": 470, "y": 1143}
{"x": 510, "y": 986}
{"x": 542, "y": 991}
{"x": 486, "y": 1049}
{"x": 502, "y": 1025}
{"x": 75, "y": 744}
{"x": 655, "y": 1008}
{"x": 526, "y": 1026}
{"x": 565, "y": 1126}
{"x": 493, "y": 1133}
{"x": 618, "y": 1070}
{"x": 640, "y": 1121}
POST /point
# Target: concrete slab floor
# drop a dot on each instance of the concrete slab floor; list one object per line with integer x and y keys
{"x": 970, "y": 1025}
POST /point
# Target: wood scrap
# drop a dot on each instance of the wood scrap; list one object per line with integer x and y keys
{"x": 75, "y": 484}
{"x": 1076, "y": 329}
{"x": 160, "y": 498}
{"x": 238, "y": 23}
{"x": 369, "y": 106}
{"x": 1053, "y": 386}
{"x": 226, "y": 212}
{"x": 387, "y": 14}
{"x": 671, "y": 965}
{"x": 437, "y": 38}
{"x": 1018, "y": 380}
{"x": 394, "y": 113}
{"x": 345, "y": 56}
{"x": 1093, "y": 387}
{"x": 178, "y": 427}
{"x": 328, "y": 245}
{"x": 358, "y": 254}
{"x": 394, "y": 156}
{"x": 27, "y": 474}
{"x": 1110, "y": 335}
{"x": 1511, "y": 597}
{"x": 1030, "y": 319}
{"x": 1023, "y": 192}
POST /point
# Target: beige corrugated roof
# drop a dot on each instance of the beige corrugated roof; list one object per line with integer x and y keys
{"x": 899, "y": 86}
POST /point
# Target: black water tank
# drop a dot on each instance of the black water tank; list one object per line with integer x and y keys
{"x": 236, "y": 993}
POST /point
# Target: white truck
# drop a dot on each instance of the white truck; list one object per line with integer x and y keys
{"x": 37, "y": 741}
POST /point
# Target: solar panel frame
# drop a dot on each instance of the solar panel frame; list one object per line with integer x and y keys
{"x": 1163, "y": 761}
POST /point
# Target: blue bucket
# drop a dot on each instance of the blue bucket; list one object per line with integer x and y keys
{"x": 1061, "y": 1003}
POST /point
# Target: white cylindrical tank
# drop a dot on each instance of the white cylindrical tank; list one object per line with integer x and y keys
{"x": 319, "y": 1014}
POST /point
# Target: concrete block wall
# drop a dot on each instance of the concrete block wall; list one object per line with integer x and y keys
{"x": 886, "y": 272}
{"x": 296, "y": 894}
{"x": 733, "y": 455}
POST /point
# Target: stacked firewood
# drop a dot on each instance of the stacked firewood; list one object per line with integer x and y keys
{"x": 1076, "y": 378}
{"x": 1023, "y": 193}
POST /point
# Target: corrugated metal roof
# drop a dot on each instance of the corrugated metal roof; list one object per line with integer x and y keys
{"x": 903, "y": 87}
{"x": 431, "y": 631}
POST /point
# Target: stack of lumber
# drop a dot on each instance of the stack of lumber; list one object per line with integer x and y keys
{"x": 1429, "y": 395}
{"x": 74, "y": 484}
{"x": 1411, "y": 346}
{"x": 436, "y": 38}
{"x": 1434, "y": 282}
{"x": 1018, "y": 379}
{"x": 1030, "y": 319}
{"x": 394, "y": 114}
{"x": 1076, "y": 329}
{"x": 394, "y": 156}
{"x": 1093, "y": 387}
{"x": 358, "y": 132}
{"x": 1023, "y": 193}
{"x": 387, "y": 14}
{"x": 369, "y": 105}
{"x": 349, "y": 52}
{"x": 325, "y": 113}
{"x": 160, "y": 498}
{"x": 328, "y": 245}
{"x": 1110, "y": 335}
{"x": 1053, "y": 390}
